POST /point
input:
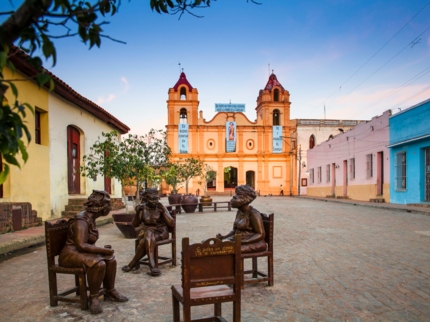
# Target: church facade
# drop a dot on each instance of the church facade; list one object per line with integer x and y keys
{"x": 240, "y": 150}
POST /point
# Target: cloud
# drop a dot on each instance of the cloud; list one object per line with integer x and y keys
{"x": 110, "y": 98}
{"x": 126, "y": 86}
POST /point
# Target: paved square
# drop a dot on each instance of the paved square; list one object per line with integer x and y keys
{"x": 333, "y": 262}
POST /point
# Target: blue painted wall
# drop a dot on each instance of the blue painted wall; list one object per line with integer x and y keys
{"x": 410, "y": 124}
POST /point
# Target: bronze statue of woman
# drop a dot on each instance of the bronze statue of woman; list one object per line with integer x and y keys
{"x": 153, "y": 219}
{"x": 248, "y": 221}
{"x": 80, "y": 251}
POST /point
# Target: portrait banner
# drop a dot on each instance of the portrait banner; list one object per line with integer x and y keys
{"x": 230, "y": 134}
{"x": 183, "y": 138}
{"x": 277, "y": 139}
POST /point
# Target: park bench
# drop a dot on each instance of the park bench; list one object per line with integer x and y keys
{"x": 204, "y": 205}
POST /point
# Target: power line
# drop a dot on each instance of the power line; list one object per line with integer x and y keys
{"x": 383, "y": 65}
{"x": 340, "y": 87}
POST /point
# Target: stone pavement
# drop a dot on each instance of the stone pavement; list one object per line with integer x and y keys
{"x": 333, "y": 262}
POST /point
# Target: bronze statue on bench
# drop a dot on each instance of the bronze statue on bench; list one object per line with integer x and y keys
{"x": 248, "y": 222}
{"x": 154, "y": 220}
{"x": 80, "y": 251}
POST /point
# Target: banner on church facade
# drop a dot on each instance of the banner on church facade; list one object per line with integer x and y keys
{"x": 183, "y": 138}
{"x": 228, "y": 107}
{"x": 230, "y": 134}
{"x": 277, "y": 139}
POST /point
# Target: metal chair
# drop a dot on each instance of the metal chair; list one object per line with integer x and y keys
{"x": 211, "y": 274}
{"x": 55, "y": 237}
{"x": 258, "y": 276}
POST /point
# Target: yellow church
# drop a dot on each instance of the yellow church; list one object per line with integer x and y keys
{"x": 259, "y": 153}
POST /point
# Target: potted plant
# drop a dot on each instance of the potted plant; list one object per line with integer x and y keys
{"x": 172, "y": 178}
{"x": 208, "y": 175}
{"x": 188, "y": 169}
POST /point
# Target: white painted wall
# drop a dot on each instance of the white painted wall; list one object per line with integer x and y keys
{"x": 62, "y": 114}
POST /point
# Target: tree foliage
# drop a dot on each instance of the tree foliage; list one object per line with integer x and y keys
{"x": 188, "y": 169}
{"x": 207, "y": 175}
{"x": 34, "y": 27}
{"x": 131, "y": 160}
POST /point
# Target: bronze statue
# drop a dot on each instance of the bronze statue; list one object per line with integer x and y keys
{"x": 248, "y": 221}
{"x": 153, "y": 219}
{"x": 80, "y": 251}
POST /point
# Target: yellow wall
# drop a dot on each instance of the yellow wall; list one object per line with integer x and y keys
{"x": 355, "y": 192}
{"x": 32, "y": 182}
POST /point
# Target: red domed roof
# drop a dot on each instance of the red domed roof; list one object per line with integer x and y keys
{"x": 273, "y": 81}
{"x": 182, "y": 81}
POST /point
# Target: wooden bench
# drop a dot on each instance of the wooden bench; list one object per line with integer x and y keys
{"x": 202, "y": 205}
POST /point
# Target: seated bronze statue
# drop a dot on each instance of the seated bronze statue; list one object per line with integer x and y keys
{"x": 153, "y": 220}
{"x": 248, "y": 222}
{"x": 80, "y": 251}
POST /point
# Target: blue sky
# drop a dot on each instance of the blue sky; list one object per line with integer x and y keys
{"x": 319, "y": 51}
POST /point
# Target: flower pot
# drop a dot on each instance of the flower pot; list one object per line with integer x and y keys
{"x": 189, "y": 203}
{"x": 123, "y": 222}
{"x": 174, "y": 198}
{"x": 206, "y": 200}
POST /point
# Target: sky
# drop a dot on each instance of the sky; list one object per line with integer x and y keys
{"x": 353, "y": 59}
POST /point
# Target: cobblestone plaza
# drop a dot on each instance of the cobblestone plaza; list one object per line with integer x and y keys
{"x": 333, "y": 262}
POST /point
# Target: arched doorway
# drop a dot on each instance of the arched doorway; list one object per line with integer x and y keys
{"x": 230, "y": 177}
{"x": 73, "y": 160}
{"x": 250, "y": 179}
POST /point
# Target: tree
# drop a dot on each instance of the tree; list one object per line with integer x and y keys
{"x": 207, "y": 175}
{"x": 188, "y": 169}
{"x": 34, "y": 27}
{"x": 134, "y": 160}
{"x": 171, "y": 176}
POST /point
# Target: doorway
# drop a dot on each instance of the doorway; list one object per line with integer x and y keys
{"x": 333, "y": 181}
{"x": 250, "y": 179}
{"x": 427, "y": 175}
{"x": 380, "y": 173}
{"x": 345, "y": 178}
{"x": 73, "y": 160}
{"x": 230, "y": 177}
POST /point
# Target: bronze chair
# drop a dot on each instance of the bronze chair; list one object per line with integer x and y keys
{"x": 211, "y": 274}
{"x": 161, "y": 260}
{"x": 258, "y": 276}
{"x": 55, "y": 237}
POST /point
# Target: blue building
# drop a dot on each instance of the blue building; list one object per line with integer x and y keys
{"x": 410, "y": 155}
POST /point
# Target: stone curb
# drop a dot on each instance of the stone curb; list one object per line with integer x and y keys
{"x": 387, "y": 206}
{"x": 38, "y": 237}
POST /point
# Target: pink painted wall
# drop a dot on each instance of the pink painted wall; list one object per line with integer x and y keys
{"x": 366, "y": 138}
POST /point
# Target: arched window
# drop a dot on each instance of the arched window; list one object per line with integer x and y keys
{"x": 276, "y": 95}
{"x": 183, "y": 93}
{"x": 276, "y": 117}
{"x": 183, "y": 116}
{"x": 311, "y": 142}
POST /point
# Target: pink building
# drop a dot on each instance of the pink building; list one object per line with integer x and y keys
{"x": 354, "y": 164}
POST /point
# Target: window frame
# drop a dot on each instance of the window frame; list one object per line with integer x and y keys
{"x": 369, "y": 165}
{"x": 351, "y": 168}
{"x": 311, "y": 176}
{"x": 37, "y": 128}
{"x": 319, "y": 174}
{"x": 327, "y": 173}
{"x": 400, "y": 167}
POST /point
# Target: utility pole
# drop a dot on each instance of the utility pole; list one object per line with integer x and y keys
{"x": 299, "y": 168}
{"x": 291, "y": 153}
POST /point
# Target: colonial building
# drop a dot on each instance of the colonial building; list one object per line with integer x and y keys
{"x": 64, "y": 127}
{"x": 240, "y": 150}
{"x": 263, "y": 153}
{"x": 354, "y": 164}
{"x": 410, "y": 153}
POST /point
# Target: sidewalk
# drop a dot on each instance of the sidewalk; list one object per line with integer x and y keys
{"x": 33, "y": 236}
{"x": 424, "y": 209}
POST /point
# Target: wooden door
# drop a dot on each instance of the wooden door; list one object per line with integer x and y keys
{"x": 73, "y": 157}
